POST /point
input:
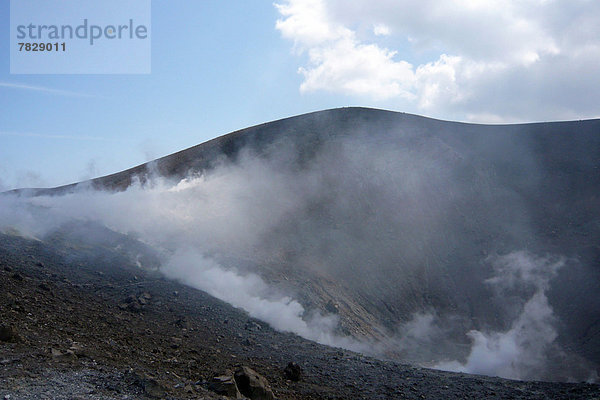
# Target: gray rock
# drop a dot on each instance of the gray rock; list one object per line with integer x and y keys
{"x": 78, "y": 350}
{"x": 60, "y": 355}
{"x": 8, "y": 334}
{"x": 152, "y": 388}
{"x": 253, "y": 385}
{"x": 132, "y": 303}
{"x": 44, "y": 286}
{"x": 252, "y": 326}
{"x": 293, "y": 372}
{"x": 225, "y": 385}
{"x": 18, "y": 277}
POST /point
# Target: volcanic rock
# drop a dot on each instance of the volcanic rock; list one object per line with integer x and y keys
{"x": 252, "y": 326}
{"x": 293, "y": 372}
{"x": 44, "y": 286}
{"x": 151, "y": 386}
{"x": 133, "y": 304}
{"x": 225, "y": 385}
{"x": 60, "y": 355}
{"x": 8, "y": 334}
{"x": 253, "y": 385}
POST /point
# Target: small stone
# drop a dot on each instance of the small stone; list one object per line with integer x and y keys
{"x": 16, "y": 276}
{"x": 225, "y": 385}
{"x": 62, "y": 355}
{"x": 44, "y": 286}
{"x": 8, "y": 334}
{"x": 78, "y": 349}
{"x": 146, "y": 296}
{"x": 252, "y": 326}
{"x": 130, "y": 299}
{"x": 152, "y": 388}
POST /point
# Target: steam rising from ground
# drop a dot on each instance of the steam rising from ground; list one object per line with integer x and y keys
{"x": 188, "y": 221}
{"x": 522, "y": 351}
{"x": 252, "y": 294}
{"x": 403, "y": 226}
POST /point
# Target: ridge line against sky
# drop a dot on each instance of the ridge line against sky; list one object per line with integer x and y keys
{"x": 217, "y": 68}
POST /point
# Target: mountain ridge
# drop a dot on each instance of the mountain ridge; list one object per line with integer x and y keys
{"x": 229, "y": 143}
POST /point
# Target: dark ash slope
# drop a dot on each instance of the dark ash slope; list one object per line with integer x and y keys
{"x": 58, "y": 298}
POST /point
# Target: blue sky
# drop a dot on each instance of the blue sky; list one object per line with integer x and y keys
{"x": 222, "y": 66}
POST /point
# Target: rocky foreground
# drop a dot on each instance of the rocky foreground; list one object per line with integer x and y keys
{"x": 81, "y": 323}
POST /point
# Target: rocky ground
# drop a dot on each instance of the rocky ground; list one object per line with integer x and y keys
{"x": 83, "y": 324}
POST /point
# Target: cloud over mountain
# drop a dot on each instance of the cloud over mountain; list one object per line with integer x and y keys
{"x": 483, "y": 61}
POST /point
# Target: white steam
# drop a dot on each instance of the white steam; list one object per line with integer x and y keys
{"x": 189, "y": 222}
{"x": 521, "y": 351}
{"x": 252, "y": 294}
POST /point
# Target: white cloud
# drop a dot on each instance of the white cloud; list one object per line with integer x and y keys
{"x": 307, "y": 23}
{"x": 437, "y": 80}
{"x": 364, "y": 69}
{"x": 503, "y": 59}
{"x": 381, "y": 30}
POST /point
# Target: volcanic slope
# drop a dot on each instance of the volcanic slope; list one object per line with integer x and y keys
{"x": 87, "y": 323}
{"x": 391, "y": 217}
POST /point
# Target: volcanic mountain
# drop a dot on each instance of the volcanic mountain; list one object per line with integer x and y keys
{"x": 463, "y": 247}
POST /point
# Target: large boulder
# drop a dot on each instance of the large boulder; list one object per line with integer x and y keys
{"x": 253, "y": 385}
{"x": 293, "y": 372}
